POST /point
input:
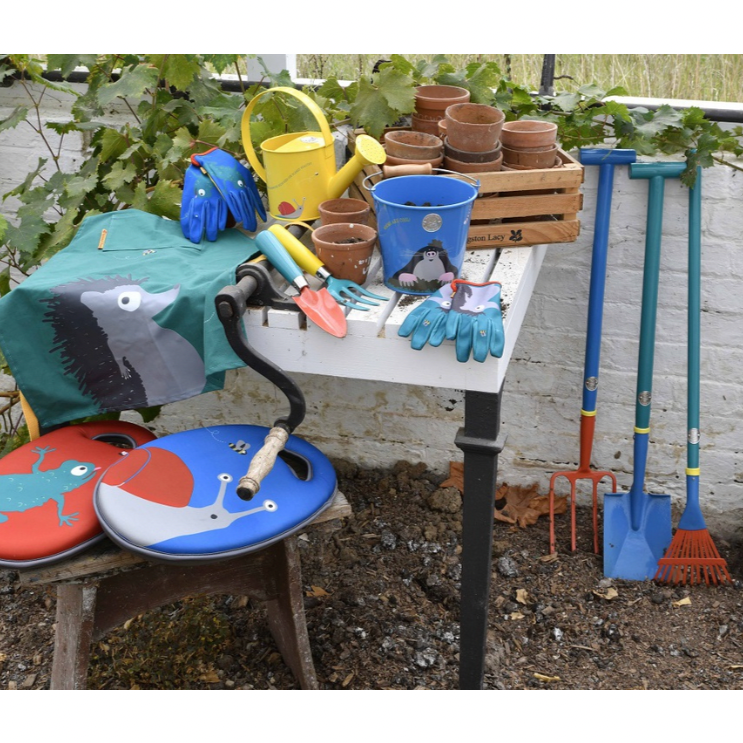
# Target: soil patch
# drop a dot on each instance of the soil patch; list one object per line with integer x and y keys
{"x": 382, "y": 605}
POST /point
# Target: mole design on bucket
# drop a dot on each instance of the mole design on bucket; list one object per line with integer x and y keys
{"x": 428, "y": 267}
{"x": 19, "y": 492}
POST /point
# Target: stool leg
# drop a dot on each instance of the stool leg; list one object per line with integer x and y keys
{"x": 286, "y": 618}
{"x": 73, "y": 636}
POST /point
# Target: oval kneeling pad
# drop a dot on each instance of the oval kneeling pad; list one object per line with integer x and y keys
{"x": 46, "y": 490}
{"x": 176, "y": 498}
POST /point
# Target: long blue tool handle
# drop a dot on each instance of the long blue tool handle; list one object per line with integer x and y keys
{"x": 606, "y": 160}
{"x": 656, "y": 173}
{"x": 692, "y": 518}
{"x": 694, "y": 331}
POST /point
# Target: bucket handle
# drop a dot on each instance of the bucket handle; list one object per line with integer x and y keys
{"x": 436, "y": 170}
{"x": 245, "y": 125}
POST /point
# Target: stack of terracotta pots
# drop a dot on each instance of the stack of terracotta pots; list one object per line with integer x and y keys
{"x": 472, "y": 140}
{"x": 529, "y": 144}
{"x": 431, "y": 102}
{"x": 405, "y": 147}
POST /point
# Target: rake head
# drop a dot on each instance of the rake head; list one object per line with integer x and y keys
{"x": 692, "y": 558}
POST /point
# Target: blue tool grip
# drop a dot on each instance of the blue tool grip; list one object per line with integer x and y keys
{"x": 605, "y": 159}
{"x": 651, "y": 170}
{"x": 280, "y": 259}
{"x": 603, "y": 156}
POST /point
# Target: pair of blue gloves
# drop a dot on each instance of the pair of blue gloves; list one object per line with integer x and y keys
{"x": 462, "y": 311}
{"x": 216, "y": 185}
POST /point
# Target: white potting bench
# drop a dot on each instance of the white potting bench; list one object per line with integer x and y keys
{"x": 372, "y": 350}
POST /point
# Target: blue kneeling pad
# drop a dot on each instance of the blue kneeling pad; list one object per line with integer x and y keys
{"x": 175, "y": 499}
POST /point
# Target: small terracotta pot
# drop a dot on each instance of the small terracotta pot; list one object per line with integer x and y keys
{"x": 333, "y": 211}
{"x": 435, "y": 162}
{"x": 528, "y": 133}
{"x": 432, "y": 100}
{"x": 429, "y": 126}
{"x": 460, "y": 167}
{"x": 473, "y": 127}
{"x": 556, "y": 164}
{"x": 442, "y": 128}
{"x": 346, "y": 249}
{"x": 525, "y": 159}
{"x": 413, "y": 145}
{"x": 471, "y": 157}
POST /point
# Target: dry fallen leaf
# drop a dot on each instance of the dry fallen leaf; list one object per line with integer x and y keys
{"x": 683, "y": 602}
{"x": 611, "y": 593}
{"x": 547, "y": 679}
{"x": 316, "y": 592}
{"x": 210, "y": 677}
{"x": 524, "y": 505}
{"x": 456, "y": 477}
{"x": 347, "y": 680}
{"x": 548, "y": 558}
{"x": 522, "y": 595}
{"x": 516, "y": 615}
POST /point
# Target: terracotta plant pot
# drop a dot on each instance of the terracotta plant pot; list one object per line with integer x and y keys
{"x": 345, "y": 249}
{"x": 522, "y": 158}
{"x": 460, "y": 167}
{"x": 473, "y": 127}
{"x": 471, "y": 157}
{"x": 429, "y": 126}
{"x": 431, "y": 101}
{"x": 333, "y": 211}
{"x": 435, "y": 162}
{"x": 442, "y": 128}
{"x": 556, "y": 164}
{"x": 412, "y": 145}
{"x": 528, "y": 133}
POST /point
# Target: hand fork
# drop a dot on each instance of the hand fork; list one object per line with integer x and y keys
{"x": 345, "y": 292}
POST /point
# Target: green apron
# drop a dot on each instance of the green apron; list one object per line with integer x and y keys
{"x": 122, "y": 318}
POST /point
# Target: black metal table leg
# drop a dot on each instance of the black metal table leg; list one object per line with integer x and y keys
{"x": 479, "y": 441}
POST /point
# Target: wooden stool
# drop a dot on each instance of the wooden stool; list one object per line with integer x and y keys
{"x": 105, "y": 586}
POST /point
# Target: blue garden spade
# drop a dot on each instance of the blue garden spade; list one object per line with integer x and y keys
{"x": 637, "y": 525}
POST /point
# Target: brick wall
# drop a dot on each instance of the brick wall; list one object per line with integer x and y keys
{"x": 376, "y": 424}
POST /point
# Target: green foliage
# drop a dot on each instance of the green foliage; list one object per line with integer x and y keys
{"x": 141, "y": 117}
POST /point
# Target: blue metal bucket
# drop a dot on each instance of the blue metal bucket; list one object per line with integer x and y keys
{"x": 422, "y": 222}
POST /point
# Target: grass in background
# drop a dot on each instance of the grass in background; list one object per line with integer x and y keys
{"x": 705, "y": 77}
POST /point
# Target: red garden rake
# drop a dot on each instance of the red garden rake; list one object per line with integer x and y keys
{"x": 606, "y": 160}
{"x": 692, "y": 556}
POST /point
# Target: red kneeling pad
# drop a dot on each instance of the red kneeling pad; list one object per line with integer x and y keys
{"x": 46, "y": 490}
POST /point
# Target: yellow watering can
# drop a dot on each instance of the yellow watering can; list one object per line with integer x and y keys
{"x": 299, "y": 168}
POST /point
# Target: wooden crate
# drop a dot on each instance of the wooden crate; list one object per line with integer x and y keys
{"x": 515, "y": 208}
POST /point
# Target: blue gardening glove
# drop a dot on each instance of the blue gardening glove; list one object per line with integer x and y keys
{"x": 235, "y": 182}
{"x": 427, "y": 321}
{"x": 203, "y": 211}
{"x": 475, "y": 320}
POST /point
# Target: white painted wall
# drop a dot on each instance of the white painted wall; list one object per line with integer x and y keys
{"x": 375, "y": 424}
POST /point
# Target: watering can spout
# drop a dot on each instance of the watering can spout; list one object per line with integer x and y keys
{"x": 368, "y": 152}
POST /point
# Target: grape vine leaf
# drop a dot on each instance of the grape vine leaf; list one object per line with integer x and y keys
{"x": 16, "y": 117}
{"x": 66, "y": 63}
{"x": 133, "y": 83}
{"x": 177, "y": 69}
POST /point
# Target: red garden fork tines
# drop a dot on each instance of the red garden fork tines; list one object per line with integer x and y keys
{"x": 606, "y": 160}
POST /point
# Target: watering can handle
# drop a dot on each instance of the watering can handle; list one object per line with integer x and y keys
{"x": 245, "y": 127}
{"x": 436, "y": 170}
